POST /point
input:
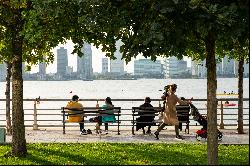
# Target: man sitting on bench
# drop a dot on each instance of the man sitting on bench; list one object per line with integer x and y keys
{"x": 76, "y": 108}
{"x": 146, "y": 118}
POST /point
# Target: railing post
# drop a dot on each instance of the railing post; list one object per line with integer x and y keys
{"x": 35, "y": 126}
{"x": 133, "y": 122}
{"x": 221, "y": 116}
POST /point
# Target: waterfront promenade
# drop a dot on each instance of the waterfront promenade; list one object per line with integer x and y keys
{"x": 230, "y": 136}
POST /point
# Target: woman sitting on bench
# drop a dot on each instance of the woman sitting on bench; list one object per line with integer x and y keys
{"x": 105, "y": 119}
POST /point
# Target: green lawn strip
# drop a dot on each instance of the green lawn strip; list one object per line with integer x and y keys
{"x": 124, "y": 153}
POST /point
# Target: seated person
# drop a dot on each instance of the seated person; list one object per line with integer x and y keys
{"x": 104, "y": 119}
{"x": 146, "y": 118}
{"x": 74, "y": 107}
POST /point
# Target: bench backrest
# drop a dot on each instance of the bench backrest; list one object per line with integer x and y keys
{"x": 183, "y": 112}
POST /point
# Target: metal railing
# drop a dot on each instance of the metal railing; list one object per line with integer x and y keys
{"x": 50, "y": 115}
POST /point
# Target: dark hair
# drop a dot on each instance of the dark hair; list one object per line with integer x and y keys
{"x": 173, "y": 87}
{"x": 165, "y": 93}
{"x": 108, "y": 100}
{"x": 147, "y": 100}
{"x": 183, "y": 98}
{"x": 75, "y": 97}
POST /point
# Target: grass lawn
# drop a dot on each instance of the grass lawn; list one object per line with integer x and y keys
{"x": 124, "y": 154}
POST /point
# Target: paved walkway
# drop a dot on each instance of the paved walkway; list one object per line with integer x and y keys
{"x": 230, "y": 136}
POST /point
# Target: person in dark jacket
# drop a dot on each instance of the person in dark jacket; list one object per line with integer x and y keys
{"x": 147, "y": 116}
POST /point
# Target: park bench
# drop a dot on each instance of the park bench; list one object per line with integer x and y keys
{"x": 182, "y": 114}
{"x": 90, "y": 112}
{"x": 146, "y": 111}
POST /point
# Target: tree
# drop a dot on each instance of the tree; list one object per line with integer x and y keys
{"x": 170, "y": 28}
{"x": 29, "y": 29}
{"x": 7, "y": 93}
{"x": 238, "y": 49}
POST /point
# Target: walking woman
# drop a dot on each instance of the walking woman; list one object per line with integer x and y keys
{"x": 170, "y": 114}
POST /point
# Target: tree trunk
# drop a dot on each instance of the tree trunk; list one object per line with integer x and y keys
{"x": 212, "y": 140}
{"x": 7, "y": 93}
{"x": 240, "y": 92}
{"x": 18, "y": 135}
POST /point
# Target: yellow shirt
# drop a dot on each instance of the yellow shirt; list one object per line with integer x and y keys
{"x": 74, "y": 105}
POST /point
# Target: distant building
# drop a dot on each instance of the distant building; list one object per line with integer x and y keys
{"x": 105, "y": 65}
{"x": 84, "y": 63}
{"x": 3, "y": 71}
{"x": 228, "y": 67}
{"x": 246, "y": 69}
{"x": 198, "y": 69}
{"x": 148, "y": 68}
{"x": 117, "y": 65}
{"x": 42, "y": 68}
{"x": 23, "y": 68}
{"x": 62, "y": 61}
{"x": 69, "y": 70}
{"x": 175, "y": 68}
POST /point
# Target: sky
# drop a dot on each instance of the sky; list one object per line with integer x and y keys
{"x": 97, "y": 56}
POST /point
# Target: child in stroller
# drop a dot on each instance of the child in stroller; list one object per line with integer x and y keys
{"x": 203, "y": 122}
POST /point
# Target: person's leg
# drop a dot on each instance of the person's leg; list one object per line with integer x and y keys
{"x": 81, "y": 126}
{"x": 149, "y": 131}
{"x": 97, "y": 127}
{"x": 177, "y": 132}
{"x": 143, "y": 130}
{"x": 82, "y": 130}
{"x": 106, "y": 126}
{"x": 159, "y": 129}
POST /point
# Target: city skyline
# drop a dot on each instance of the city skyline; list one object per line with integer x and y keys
{"x": 97, "y": 56}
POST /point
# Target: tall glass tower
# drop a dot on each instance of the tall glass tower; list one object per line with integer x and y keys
{"x": 84, "y": 63}
{"x": 117, "y": 65}
{"x": 62, "y": 61}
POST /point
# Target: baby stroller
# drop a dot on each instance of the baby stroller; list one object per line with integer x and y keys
{"x": 203, "y": 122}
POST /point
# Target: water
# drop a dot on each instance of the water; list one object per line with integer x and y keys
{"x": 121, "y": 89}
{"x": 117, "y": 89}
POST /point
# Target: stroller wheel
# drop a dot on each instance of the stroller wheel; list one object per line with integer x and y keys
{"x": 219, "y": 136}
{"x": 198, "y": 138}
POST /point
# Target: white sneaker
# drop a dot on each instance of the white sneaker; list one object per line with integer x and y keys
{"x": 106, "y": 132}
{"x": 83, "y": 132}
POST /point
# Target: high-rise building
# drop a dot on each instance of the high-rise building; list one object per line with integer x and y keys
{"x": 3, "y": 71}
{"x": 227, "y": 66}
{"x": 148, "y": 68}
{"x": 105, "y": 65}
{"x": 246, "y": 69}
{"x": 62, "y": 61}
{"x": 117, "y": 65}
{"x": 42, "y": 68}
{"x": 198, "y": 69}
{"x": 175, "y": 68}
{"x": 84, "y": 63}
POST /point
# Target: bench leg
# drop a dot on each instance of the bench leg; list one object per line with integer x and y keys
{"x": 63, "y": 127}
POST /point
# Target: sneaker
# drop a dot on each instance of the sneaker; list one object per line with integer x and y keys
{"x": 156, "y": 135}
{"x": 83, "y": 132}
{"x": 179, "y": 137}
{"x": 148, "y": 132}
{"x": 106, "y": 132}
{"x": 89, "y": 131}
